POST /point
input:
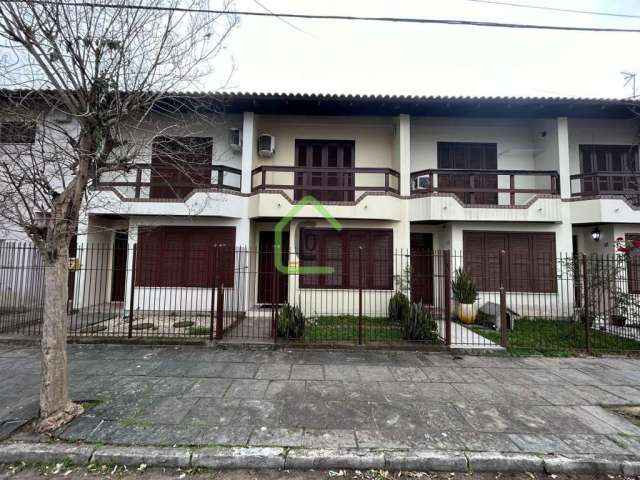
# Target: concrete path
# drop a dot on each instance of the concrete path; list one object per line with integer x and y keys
{"x": 335, "y": 399}
{"x": 463, "y": 338}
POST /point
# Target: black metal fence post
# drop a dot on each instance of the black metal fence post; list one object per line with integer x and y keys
{"x": 587, "y": 313}
{"x": 447, "y": 296}
{"x": 274, "y": 326}
{"x": 220, "y": 294}
{"x": 360, "y": 281}
{"x": 220, "y": 311}
{"x": 214, "y": 284}
{"x": 132, "y": 289}
{"x": 504, "y": 339}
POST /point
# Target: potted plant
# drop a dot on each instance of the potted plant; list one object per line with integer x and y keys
{"x": 465, "y": 294}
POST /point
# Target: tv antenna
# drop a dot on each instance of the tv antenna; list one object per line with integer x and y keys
{"x": 630, "y": 79}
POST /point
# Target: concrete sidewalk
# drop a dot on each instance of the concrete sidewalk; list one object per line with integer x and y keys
{"x": 365, "y": 400}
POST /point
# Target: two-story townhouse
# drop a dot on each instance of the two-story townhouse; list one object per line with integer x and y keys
{"x": 536, "y": 177}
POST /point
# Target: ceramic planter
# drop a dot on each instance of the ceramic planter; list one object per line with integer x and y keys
{"x": 467, "y": 312}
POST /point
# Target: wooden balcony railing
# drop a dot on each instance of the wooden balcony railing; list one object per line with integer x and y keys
{"x": 486, "y": 187}
{"x": 594, "y": 184}
{"x": 325, "y": 183}
{"x": 145, "y": 180}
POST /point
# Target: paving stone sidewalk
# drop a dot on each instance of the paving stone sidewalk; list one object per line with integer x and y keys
{"x": 335, "y": 399}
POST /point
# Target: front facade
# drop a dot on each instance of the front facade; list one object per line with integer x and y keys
{"x": 473, "y": 176}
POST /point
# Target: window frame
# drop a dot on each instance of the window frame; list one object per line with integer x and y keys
{"x": 448, "y": 154}
{"x": 176, "y": 173}
{"x": 344, "y": 188}
{"x": 26, "y": 137}
{"x": 347, "y": 237}
{"x": 592, "y": 182}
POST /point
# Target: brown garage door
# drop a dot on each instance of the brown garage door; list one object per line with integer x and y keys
{"x": 185, "y": 257}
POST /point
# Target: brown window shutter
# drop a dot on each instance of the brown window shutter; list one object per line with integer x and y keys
{"x": 474, "y": 257}
{"x": 519, "y": 263}
{"x": 340, "y": 250}
{"x": 544, "y": 262}
{"x": 530, "y": 260}
{"x": 495, "y": 242}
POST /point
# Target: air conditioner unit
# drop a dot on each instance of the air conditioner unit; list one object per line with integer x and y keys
{"x": 266, "y": 145}
{"x": 235, "y": 139}
{"x": 421, "y": 183}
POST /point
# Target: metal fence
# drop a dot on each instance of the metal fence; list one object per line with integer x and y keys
{"x": 524, "y": 304}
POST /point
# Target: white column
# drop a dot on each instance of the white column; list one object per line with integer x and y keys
{"x": 563, "y": 157}
{"x": 564, "y": 235}
{"x": 403, "y": 162}
{"x": 248, "y": 149}
{"x": 133, "y": 240}
{"x": 404, "y": 153}
{"x": 82, "y": 240}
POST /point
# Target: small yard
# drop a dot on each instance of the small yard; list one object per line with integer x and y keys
{"x": 344, "y": 328}
{"x": 339, "y": 328}
{"x": 556, "y": 337}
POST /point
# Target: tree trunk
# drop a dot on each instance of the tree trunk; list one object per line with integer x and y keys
{"x": 56, "y": 407}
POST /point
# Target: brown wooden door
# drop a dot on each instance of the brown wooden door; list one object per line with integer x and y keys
{"x": 422, "y": 268}
{"x": 472, "y": 156}
{"x": 119, "y": 273}
{"x": 267, "y": 270}
{"x": 332, "y": 184}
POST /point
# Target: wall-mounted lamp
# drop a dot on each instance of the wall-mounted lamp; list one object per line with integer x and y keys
{"x": 595, "y": 234}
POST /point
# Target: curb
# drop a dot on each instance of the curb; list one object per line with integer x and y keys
{"x": 308, "y": 458}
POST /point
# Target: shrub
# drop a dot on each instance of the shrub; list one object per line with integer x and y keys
{"x": 419, "y": 324}
{"x": 199, "y": 330}
{"x": 463, "y": 287}
{"x": 398, "y": 307}
{"x": 291, "y": 322}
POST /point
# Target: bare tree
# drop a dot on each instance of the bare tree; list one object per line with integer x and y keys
{"x": 78, "y": 81}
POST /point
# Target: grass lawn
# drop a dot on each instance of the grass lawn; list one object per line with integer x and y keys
{"x": 557, "y": 337}
{"x": 340, "y": 328}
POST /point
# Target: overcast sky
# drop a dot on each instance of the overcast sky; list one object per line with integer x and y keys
{"x": 382, "y": 58}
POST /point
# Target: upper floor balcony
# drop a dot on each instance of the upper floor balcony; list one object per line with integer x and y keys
{"x": 607, "y": 189}
{"x": 485, "y": 195}
{"x": 348, "y": 192}
{"x": 326, "y": 184}
{"x": 347, "y": 163}
{"x": 489, "y": 187}
{"x": 170, "y": 183}
{"x": 484, "y": 169}
{"x": 180, "y": 179}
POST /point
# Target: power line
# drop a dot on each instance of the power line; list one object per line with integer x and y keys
{"x": 332, "y": 17}
{"x": 555, "y": 9}
{"x": 281, "y": 19}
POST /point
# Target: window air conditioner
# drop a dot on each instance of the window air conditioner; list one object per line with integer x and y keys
{"x": 266, "y": 145}
{"x": 421, "y": 182}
